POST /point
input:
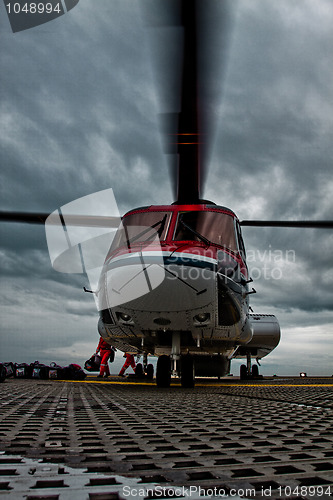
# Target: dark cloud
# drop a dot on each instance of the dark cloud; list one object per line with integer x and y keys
{"x": 77, "y": 96}
{"x": 79, "y": 113}
{"x": 275, "y": 119}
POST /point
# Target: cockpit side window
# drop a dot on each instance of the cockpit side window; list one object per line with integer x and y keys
{"x": 240, "y": 241}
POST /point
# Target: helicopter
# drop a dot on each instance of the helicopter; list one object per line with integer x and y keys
{"x": 198, "y": 317}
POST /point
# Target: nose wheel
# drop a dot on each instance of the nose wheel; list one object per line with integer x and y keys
{"x": 249, "y": 371}
{"x": 255, "y": 371}
{"x": 176, "y": 364}
{"x": 144, "y": 369}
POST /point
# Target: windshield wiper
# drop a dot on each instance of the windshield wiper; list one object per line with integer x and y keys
{"x": 145, "y": 231}
{"x": 200, "y": 236}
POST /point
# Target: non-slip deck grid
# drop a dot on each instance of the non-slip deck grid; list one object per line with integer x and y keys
{"x": 231, "y": 437}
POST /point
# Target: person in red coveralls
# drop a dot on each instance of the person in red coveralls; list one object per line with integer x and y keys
{"x": 105, "y": 351}
{"x": 129, "y": 362}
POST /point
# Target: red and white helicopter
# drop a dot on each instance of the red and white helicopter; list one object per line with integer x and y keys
{"x": 175, "y": 283}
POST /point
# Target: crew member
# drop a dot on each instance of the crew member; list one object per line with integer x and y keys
{"x": 105, "y": 351}
{"x": 129, "y": 362}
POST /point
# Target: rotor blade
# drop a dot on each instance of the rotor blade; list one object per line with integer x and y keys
{"x": 205, "y": 43}
{"x": 215, "y": 23}
{"x": 71, "y": 220}
{"x": 188, "y": 136}
{"x": 189, "y": 51}
{"x": 24, "y": 217}
{"x": 174, "y": 51}
{"x": 325, "y": 224}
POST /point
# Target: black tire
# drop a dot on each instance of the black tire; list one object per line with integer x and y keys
{"x": 163, "y": 371}
{"x": 3, "y": 373}
{"x": 255, "y": 371}
{"x": 187, "y": 371}
{"x": 150, "y": 371}
{"x": 243, "y": 372}
{"x": 139, "y": 370}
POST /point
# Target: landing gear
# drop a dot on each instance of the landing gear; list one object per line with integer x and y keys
{"x": 163, "y": 371}
{"x": 187, "y": 371}
{"x": 249, "y": 371}
{"x": 176, "y": 365}
{"x": 144, "y": 370}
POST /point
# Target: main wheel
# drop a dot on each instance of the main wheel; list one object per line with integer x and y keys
{"x": 163, "y": 371}
{"x": 187, "y": 371}
{"x": 150, "y": 371}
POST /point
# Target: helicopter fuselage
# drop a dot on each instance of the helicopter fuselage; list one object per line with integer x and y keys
{"x": 175, "y": 283}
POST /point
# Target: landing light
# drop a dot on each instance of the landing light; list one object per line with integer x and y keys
{"x": 202, "y": 317}
{"x": 124, "y": 317}
{"x": 303, "y": 374}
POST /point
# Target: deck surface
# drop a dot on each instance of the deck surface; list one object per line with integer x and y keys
{"x": 267, "y": 438}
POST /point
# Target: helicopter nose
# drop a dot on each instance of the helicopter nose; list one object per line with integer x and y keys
{"x": 172, "y": 283}
{"x": 133, "y": 276}
{"x": 182, "y": 299}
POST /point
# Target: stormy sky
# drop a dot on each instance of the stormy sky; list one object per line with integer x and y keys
{"x": 80, "y": 104}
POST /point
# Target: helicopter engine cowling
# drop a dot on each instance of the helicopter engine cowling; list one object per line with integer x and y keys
{"x": 266, "y": 336}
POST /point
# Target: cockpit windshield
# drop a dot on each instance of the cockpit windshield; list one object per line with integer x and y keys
{"x": 142, "y": 227}
{"x": 215, "y": 227}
